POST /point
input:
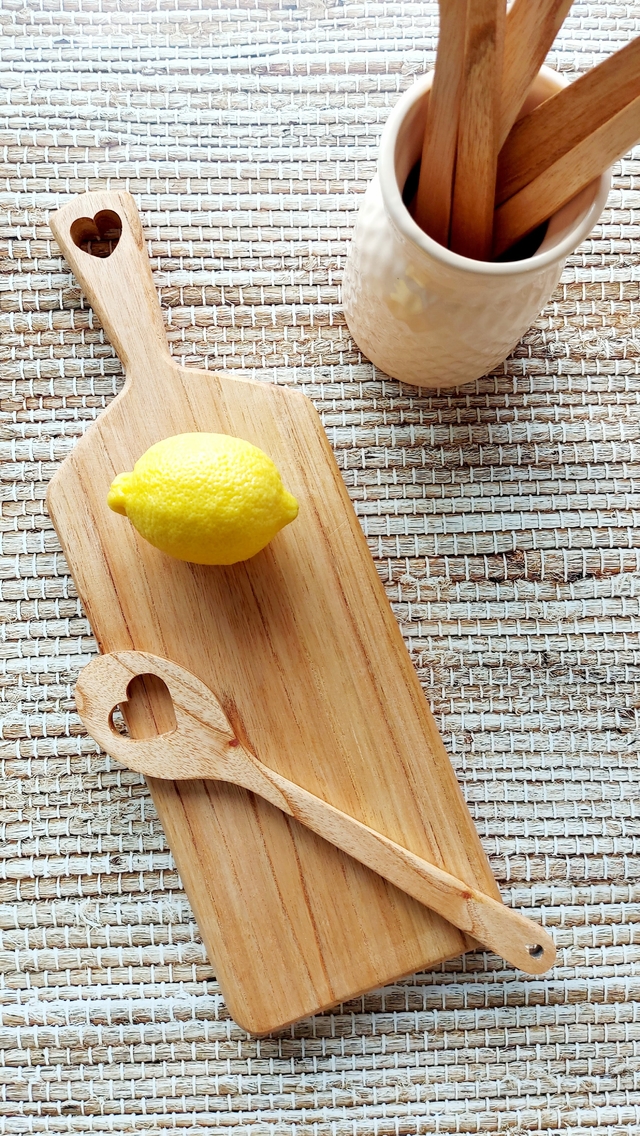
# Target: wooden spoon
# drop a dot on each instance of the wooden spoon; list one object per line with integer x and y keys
{"x": 477, "y": 149}
{"x": 203, "y": 745}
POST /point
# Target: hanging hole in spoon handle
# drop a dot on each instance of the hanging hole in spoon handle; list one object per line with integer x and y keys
{"x": 101, "y": 237}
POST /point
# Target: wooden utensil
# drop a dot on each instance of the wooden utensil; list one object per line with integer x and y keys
{"x": 435, "y": 187}
{"x": 477, "y": 148}
{"x": 566, "y": 177}
{"x": 531, "y": 27}
{"x": 204, "y": 745}
{"x": 560, "y": 124}
{"x": 306, "y": 659}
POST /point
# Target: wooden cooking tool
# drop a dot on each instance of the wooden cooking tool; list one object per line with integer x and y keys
{"x": 204, "y": 745}
{"x": 433, "y": 199}
{"x": 566, "y": 120}
{"x": 531, "y": 27}
{"x": 306, "y": 659}
{"x": 477, "y": 149}
{"x": 566, "y": 177}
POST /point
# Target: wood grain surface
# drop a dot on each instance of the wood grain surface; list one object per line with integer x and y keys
{"x": 477, "y": 148}
{"x": 564, "y": 121}
{"x": 302, "y": 650}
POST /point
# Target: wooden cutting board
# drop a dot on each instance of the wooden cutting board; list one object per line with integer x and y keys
{"x": 302, "y": 650}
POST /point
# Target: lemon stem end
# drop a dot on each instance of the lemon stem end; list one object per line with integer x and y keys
{"x": 290, "y": 506}
{"x": 116, "y": 497}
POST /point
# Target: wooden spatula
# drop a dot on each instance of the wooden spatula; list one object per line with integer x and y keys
{"x": 566, "y": 120}
{"x": 203, "y": 745}
{"x": 477, "y": 149}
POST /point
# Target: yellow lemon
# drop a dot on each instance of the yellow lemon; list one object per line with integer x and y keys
{"x": 207, "y": 498}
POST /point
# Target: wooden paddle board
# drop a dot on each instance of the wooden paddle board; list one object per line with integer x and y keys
{"x": 301, "y": 648}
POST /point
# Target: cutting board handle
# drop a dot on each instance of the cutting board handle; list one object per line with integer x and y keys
{"x": 118, "y": 284}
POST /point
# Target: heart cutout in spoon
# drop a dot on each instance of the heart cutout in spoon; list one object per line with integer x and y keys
{"x": 97, "y": 235}
{"x": 126, "y": 711}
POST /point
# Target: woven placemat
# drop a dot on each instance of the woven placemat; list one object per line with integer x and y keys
{"x": 501, "y": 517}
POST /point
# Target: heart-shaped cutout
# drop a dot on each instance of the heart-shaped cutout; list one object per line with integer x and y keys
{"x": 99, "y": 235}
{"x": 118, "y": 722}
{"x": 148, "y": 697}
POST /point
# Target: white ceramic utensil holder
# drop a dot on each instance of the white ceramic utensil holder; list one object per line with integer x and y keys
{"x": 428, "y": 316}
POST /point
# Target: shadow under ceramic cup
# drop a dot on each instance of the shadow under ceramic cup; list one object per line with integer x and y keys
{"x": 424, "y": 314}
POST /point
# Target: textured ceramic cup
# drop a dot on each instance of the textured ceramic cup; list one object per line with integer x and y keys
{"x": 426, "y": 315}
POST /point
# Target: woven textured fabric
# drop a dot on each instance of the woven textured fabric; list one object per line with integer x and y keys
{"x": 501, "y": 517}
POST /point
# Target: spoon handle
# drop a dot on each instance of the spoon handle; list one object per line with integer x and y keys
{"x": 435, "y": 185}
{"x": 531, "y": 27}
{"x": 517, "y": 939}
{"x": 203, "y": 745}
{"x": 566, "y": 120}
{"x": 570, "y": 174}
{"x": 477, "y": 146}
